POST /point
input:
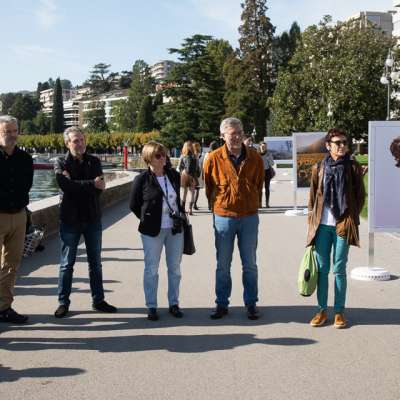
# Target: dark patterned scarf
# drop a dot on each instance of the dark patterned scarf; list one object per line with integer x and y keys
{"x": 334, "y": 184}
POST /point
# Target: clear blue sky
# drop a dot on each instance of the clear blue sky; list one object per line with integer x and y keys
{"x": 50, "y": 38}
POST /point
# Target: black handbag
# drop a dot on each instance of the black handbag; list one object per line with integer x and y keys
{"x": 188, "y": 242}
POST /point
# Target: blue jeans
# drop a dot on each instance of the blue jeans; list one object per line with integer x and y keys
{"x": 326, "y": 239}
{"x": 246, "y": 230}
{"x": 152, "y": 247}
{"x": 70, "y": 236}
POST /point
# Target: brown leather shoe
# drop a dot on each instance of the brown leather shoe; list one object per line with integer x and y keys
{"x": 319, "y": 319}
{"x": 340, "y": 321}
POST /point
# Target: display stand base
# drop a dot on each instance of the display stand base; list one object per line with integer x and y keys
{"x": 299, "y": 212}
{"x": 370, "y": 274}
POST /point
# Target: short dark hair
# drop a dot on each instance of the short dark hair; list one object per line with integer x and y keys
{"x": 335, "y": 132}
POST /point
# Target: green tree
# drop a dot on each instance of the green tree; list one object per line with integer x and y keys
{"x": 256, "y": 37}
{"x": 95, "y": 119}
{"x": 57, "y": 114}
{"x": 24, "y": 107}
{"x": 284, "y": 47}
{"x": 7, "y": 100}
{"x": 42, "y": 123}
{"x": 337, "y": 68}
{"x": 142, "y": 85}
{"x": 28, "y": 127}
{"x": 195, "y": 88}
{"x": 101, "y": 79}
{"x": 145, "y": 121}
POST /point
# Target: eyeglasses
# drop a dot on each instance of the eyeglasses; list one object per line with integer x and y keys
{"x": 339, "y": 142}
{"x": 158, "y": 156}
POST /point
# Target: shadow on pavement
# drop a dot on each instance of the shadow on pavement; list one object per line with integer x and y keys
{"x": 135, "y": 318}
{"x": 172, "y": 343}
{"x": 28, "y": 286}
{"x": 8, "y": 374}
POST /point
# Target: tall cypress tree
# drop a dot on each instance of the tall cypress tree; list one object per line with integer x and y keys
{"x": 256, "y": 37}
{"x": 57, "y": 115}
{"x": 145, "y": 120}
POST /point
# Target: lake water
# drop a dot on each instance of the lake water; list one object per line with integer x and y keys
{"x": 44, "y": 184}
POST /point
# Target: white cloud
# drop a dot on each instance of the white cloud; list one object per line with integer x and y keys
{"x": 46, "y": 14}
{"x": 32, "y": 50}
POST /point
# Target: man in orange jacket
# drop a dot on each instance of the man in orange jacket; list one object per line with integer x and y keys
{"x": 234, "y": 176}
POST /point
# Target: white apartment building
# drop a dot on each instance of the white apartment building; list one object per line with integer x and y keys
{"x": 106, "y": 100}
{"x": 382, "y": 20}
{"x": 46, "y": 97}
{"x": 72, "y": 113}
{"x": 396, "y": 19}
{"x": 161, "y": 69}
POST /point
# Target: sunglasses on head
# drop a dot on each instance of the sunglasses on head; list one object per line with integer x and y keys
{"x": 339, "y": 142}
{"x": 158, "y": 156}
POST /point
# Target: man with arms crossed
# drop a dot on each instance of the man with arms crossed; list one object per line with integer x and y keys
{"x": 234, "y": 177}
{"x": 16, "y": 175}
{"x": 80, "y": 178}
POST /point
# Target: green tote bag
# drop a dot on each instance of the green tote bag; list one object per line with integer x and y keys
{"x": 308, "y": 273}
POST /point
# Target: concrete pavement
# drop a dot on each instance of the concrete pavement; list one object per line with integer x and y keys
{"x": 123, "y": 356}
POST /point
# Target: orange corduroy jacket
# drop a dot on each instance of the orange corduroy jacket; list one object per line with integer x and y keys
{"x": 231, "y": 193}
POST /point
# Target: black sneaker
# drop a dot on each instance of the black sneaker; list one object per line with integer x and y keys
{"x": 219, "y": 312}
{"x": 103, "y": 306}
{"x": 252, "y": 312}
{"x": 152, "y": 314}
{"x": 176, "y": 311}
{"x": 11, "y": 316}
{"x": 61, "y": 311}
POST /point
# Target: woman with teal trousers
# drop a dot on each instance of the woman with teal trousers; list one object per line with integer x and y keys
{"x": 336, "y": 199}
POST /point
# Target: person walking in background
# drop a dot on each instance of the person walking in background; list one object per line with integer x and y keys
{"x": 16, "y": 177}
{"x": 197, "y": 153}
{"x": 269, "y": 171}
{"x": 188, "y": 167}
{"x": 234, "y": 177}
{"x": 336, "y": 199}
{"x": 80, "y": 178}
{"x": 213, "y": 146}
{"x": 155, "y": 200}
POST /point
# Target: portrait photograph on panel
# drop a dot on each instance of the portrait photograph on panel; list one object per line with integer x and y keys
{"x": 308, "y": 149}
{"x": 384, "y": 176}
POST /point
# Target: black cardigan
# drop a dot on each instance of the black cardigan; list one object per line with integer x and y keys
{"x": 146, "y": 200}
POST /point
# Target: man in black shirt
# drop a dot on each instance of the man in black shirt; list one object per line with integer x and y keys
{"x": 80, "y": 178}
{"x": 16, "y": 175}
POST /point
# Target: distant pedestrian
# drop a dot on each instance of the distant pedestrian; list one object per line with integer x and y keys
{"x": 80, "y": 178}
{"x": 269, "y": 171}
{"x": 198, "y": 155}
{"x": 336, "y": 199}
{"x": 234, "y": 177}
{"x": 16, "y": 176}
{"x": 188, "y": 167}
{"x": 155, "y": 200}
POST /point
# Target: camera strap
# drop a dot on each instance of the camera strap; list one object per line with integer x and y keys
{"x": 165, "y": 194}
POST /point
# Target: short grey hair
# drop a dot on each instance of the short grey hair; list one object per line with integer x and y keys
{"x": 72, "y": 129}
{"x": 8, "y": 119}
{"x": 230, "y": 122}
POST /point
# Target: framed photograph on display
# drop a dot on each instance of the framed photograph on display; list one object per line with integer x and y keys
{"x": 384, "y": 176}
{"x": 281, "y": 148}
{"x": 308, "y": 149}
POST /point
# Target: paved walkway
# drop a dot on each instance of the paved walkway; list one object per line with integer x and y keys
{"x": 97, "y": 356}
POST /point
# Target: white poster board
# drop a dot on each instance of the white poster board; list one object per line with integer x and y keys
{"x": 308, "y": 149}
{"x": 384, "y": 176}
{"x": 281, "y": 148}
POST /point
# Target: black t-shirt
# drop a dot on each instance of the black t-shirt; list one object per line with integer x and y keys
{"x": 16, "y": 176}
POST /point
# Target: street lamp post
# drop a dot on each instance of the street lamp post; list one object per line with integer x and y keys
{"x": 390, "y": 74}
